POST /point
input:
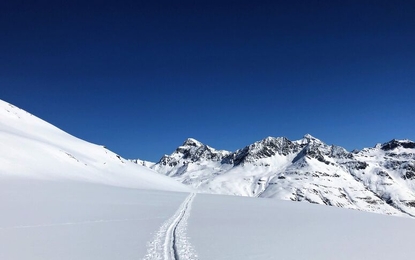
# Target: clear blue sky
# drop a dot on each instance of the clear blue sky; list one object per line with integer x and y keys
{"x": 142, "y": 76}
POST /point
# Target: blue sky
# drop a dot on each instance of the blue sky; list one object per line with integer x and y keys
{"x": 142, "y": 76}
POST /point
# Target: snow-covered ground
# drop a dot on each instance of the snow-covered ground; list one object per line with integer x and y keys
{"x": 73, "y": 220}
{"x": 64, "y": 198}
{"x": 230, "y": 227}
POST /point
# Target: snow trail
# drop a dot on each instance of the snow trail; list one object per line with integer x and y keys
{"x": 171, "y": 241}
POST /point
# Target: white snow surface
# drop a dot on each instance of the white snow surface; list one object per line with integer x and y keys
{"x": 73, "y": 220}
{"x": 34, "y": 149}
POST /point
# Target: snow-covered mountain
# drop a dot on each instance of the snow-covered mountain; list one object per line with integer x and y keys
{"x": 379, "y": 179}
{"x": 34, "y": 149}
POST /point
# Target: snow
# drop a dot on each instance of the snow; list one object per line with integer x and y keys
{"x": 73, "y": 220}
{"x": 251, "y": 228}
{"x": 32, "y": 148}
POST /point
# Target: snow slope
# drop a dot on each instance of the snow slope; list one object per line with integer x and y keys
{"x": 379, "y": 179}
{"x": 34, "y": 149}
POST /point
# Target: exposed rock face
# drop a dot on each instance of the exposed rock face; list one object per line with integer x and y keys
{"x": 398, "y": 143}
{"x": 268, "y": 147}
{"x": 191, "y": 152}
{"x": 379, "y": 179}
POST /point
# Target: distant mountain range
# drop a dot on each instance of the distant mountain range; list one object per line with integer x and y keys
{"x": 379, "y": 179}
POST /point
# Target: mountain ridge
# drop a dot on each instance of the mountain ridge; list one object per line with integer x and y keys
{"x": 379, "y": 179}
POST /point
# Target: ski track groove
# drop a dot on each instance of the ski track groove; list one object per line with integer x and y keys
{"x": 171, "y": 242}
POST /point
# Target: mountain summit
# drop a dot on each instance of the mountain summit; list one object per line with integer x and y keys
{"x": 405, "y": 144}
{"x": 192, "y": 142}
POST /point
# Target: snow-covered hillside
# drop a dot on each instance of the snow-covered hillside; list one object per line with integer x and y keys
{"x": 379, "y": 179}
{"x": 34, "y": 149}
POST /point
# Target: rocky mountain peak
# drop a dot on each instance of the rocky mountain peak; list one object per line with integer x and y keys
{"x": 264, "y": 148}
{"x": 312, "y": 147}
{"x": 311, "y": 139}
{"x": 192, "y": 142}
{"x": 308, "y": 136}
{"x": 191, "y": 151}
{"x": 308, "y": 139}
{"x": 395, "y": 143}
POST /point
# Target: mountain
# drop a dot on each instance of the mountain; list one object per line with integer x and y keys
{"x": 32, "y": 149}
{"x": 379, "y": 179}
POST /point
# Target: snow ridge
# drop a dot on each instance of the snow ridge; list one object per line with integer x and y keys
{"x": 171, "y": 242}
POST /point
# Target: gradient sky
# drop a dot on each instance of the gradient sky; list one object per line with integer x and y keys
{"x": 142, "y": 76}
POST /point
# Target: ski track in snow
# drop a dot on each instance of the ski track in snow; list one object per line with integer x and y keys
{"x": 171, "y": 241}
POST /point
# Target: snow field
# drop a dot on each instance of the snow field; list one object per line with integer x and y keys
{"x": 228, "y": 227}
{"x": 72, "y": 220}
